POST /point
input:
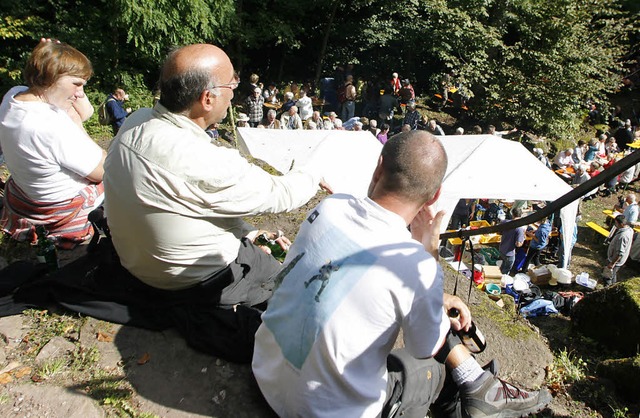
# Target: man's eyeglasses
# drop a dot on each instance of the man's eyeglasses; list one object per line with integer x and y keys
{"x": 231, "y": 86}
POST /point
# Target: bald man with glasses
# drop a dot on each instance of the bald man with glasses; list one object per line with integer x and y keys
{"x": 175, "y": 202}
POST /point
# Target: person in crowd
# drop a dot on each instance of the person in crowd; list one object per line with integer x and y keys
{"x": 373, "y": 127}
{"x": 388, "y": 106}
{"x": 594, "y": 114}
{"x": 459, "y": 130}
{"x": 253, "y": 84}
{"x": 334, "y": 120}
{"x": 212, "y": 131}
{"x": 594, "y": 169}
{"x": 294, "y": 89}
{"x": 305, "y": 105}
{"x": 602, "y": 146}
{"x": 317, "y": 119}
{"x": 395, "y": 84}
{"x": 365, "y": 123}
{"x": 476, "y": 130}
{"x": 619, "y": 248}
{"x": 357, "y": 126}
{"x": 462, "y": 214}
{"x": 116, "y": 110}
{"x": 175, "y": 206}
{"x": 405, "y": 128}
{"x": 592, "y": 150}
{"x": 539, "y": 241}
{"x": 491, "y": 130}
{"x": 563, "y": 159}
{"x": 511, "y": 239}
{"x": 291, "y": 119}
{"x": 370, "y": 99}
{"x": 611, "y": 147}
{"x": 406, "y": 93}
{"x": 383, "y": 134}
{"x": 347, "y": 95}
{"x": 310, "y": 125}
{"x": 270, "y": 94}
{"x": 349, "y": 124}
{"x": 337, "y": 125}
{"x": 271, "y": 122}
{"x": 56, "y": 168}
{"x": 626, "y": 177}
{"x": 625, "y": 135}
{"x": 539, "y": 154}
{"x": 288, "y": 101}
{"x": 578, "y": 152}
{"x": 629, "y": 209}
{"x": 253, "y": 105}
{"x": 433, "y": 128}
{"x": 386, "y": 281}
{"x": 580, "y": 177}
{"x": 412, "y": 116}
{"x": 243, "y": 120}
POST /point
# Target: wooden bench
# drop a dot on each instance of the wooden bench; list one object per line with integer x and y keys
{"x": 597, "y": 228}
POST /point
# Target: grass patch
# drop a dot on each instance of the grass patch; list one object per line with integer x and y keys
{"x": 84, "y": 359}
{"x": 566, "y": 369}
{"x": 114, "y": 392}
{"x": 52, "y": 368}
{"x": 44, "y": 326}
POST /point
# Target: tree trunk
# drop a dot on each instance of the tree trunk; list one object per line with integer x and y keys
{"x": 325, "y": 40}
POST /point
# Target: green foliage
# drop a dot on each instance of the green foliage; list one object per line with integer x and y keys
{"x": 531, "y": 63}
{"x": 565, "y": 370}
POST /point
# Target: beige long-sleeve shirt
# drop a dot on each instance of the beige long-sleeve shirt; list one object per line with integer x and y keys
{"x": 175, "y": 202}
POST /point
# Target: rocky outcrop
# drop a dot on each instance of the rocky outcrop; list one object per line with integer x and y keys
{"x": 625, "y": 373}
{"x": 612, "y": 316}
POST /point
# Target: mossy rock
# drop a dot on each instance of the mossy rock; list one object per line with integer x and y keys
{"x": 625, "y": 373}
{"x": 508, "y": 335}
{"x": 612, "y": 316}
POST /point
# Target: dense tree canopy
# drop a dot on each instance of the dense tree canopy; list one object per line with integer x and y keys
{"x": 529, "y": 62}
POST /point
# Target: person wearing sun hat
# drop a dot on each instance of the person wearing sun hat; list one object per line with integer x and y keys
{"x": 242, "y": 120}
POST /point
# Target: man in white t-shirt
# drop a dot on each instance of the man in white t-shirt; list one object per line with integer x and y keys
{"x": 354, "y": 278}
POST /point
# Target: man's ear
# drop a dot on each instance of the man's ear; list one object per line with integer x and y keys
{"x": 435, "y": 197}
{"x": 377, "y": 174}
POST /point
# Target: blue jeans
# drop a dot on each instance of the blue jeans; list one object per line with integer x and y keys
{"x": 507, "y": 263}
{"x": 348, "y": 110}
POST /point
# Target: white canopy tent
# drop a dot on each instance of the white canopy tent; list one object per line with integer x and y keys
{"x": 480, "y": 166}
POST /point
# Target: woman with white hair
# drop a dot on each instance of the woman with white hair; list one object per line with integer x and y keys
{"x": 305, "y": 105}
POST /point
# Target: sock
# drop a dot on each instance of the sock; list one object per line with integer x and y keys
{"x": 468, "y": 371}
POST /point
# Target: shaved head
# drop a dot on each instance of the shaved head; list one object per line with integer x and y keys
{"x": 413, "y": 166}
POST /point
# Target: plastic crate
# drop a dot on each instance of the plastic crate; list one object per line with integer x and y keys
{"x": 491, "y": 255}
{"x": 479, "y": 224}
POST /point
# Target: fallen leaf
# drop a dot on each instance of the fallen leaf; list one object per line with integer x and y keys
{"x": 5, "y": 378}
{"x": 104, "y": 338}
{"x": 37, "y": 378}
{"x": 144, "y": 359}
{"x": 12, "y": 365}
{"x": 23, "y": 371}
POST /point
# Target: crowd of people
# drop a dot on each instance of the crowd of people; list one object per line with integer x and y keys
{"x": 340, "y": 104}
{"x": 576, "y": 165}
{"x": 175, "y": 205}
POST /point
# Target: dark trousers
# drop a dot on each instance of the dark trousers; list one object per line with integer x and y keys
{"x": 412, "y": 385}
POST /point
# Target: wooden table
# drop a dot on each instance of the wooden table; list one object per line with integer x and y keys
{"x": 274, "y": 106}
{"x": 567, "y": 172}
{"x": 612, "y": 214}
{"x": 634, "y": 144}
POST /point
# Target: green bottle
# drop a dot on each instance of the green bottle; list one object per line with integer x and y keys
{"x": 276, "y": 250}
{"x": 46, "y": 250}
